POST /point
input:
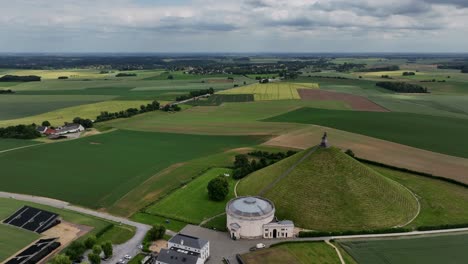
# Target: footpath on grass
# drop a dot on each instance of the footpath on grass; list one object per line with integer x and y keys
{"x": 130, "y": 247}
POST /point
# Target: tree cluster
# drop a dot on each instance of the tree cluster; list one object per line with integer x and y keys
{"x": 86, "y": 123}
{"x": 155, "y": 233}
{"x": 218, "y": 188}
{"x": 243, "y": 166}
{"x": 402, "y": 87}
{"x": 465, "y": 69}
{"x": 105, "y": 116}
{"x": 195, "y": 94}
{"x": 408, "y": 73}
{"x": 77, "y": 248}
{"x": 20, "y": 132}
{"x": 125, "y": 74}
{"x": 6, "y": 91}
{"x": 62, "y": 77}
{"x": 15, "y": 78}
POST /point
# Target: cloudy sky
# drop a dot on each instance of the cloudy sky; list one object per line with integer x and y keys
{"x": 234, "y": 26}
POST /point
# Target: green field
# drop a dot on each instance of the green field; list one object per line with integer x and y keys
{"x": 97, "y": 171}
{"x": 428, "y": 250}
{"x": 442, "y": 203}
{"x": 439, "y": 134}
{"x": 6, "y": 143}
{"x": 329, "y": 191}
{"x": 294, "y": 253}
{"x": 18, "y": 238}
{"x": 148, "y": 219}
{"x": 13, "y": 240}
{"x": 190, "y": 203}
{"x": 272, "y": 91}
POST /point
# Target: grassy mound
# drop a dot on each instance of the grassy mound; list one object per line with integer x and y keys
{"x": 331, "y": 191}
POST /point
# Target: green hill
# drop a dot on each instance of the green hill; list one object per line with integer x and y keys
{"x": 329, "y": 190}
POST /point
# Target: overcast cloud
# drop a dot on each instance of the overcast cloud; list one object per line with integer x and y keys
{"x": 234, "y": 26}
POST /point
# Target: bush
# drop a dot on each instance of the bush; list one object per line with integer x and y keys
{"x": 94, "y": 258}
{"x": 62, "y": 77}
{"x": 104, "y": 230}
{"x": 97, "y": 249}
{"x": 218, "y": 188}
{"x": 107, "y": 249}
{"x": 60, "y": 259}
{"x": 45, "y": 123}
{"x": 350, "y": 153}
{"x": 75, "y": 251}
{"x": 123, "y": 74}
{"x": 155, "y": 233}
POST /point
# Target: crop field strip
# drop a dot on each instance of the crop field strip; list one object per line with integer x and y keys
{"x": 272, "y": 91}
{"x": 440, "y": 134}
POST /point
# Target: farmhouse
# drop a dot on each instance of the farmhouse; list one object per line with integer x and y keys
{"x": 254, "y": 217}
{"x": 69, "y": 128}
{"x": 185, "y": 249}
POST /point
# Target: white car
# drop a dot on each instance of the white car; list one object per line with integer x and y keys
{"x": 127, "y": 257}
{"x": 260, "y": 246}
{"x": 121, "y": 261}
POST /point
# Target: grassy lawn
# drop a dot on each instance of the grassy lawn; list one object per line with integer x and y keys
{"x": 137, "y": 259}
{"x": 330, "y": 191}
{"x": 294, "y": 253}
{"x": 218, "y": 223}
{"x": 13, "y": 239}
{"x": 429, "y": 250}
{"x": 91, "y": 111}
{"x": 190, "y": 203}
{"x": 441, "y": 202}
{"x": 272, "y": 91}
{"x": 439, "y": 134}
{"x": 145, "y": 218}
{"x": 97, "y": 171}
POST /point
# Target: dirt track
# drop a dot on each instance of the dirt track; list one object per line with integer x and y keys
{"x": 379, "y": 150}
{"x": 356, "y": 102}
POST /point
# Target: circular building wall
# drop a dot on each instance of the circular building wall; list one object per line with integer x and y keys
{"x": 246, "y": 216}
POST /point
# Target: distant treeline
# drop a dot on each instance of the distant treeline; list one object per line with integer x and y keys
{"x": 154, "y": 106}
{"x": 15, "y": 78}
{"x": 20, "y": 132}
{"x": 408, "y": 73}
{"x": 385, "y": 68}
{"x": 6, "y": 91}
{"x": 329, "y": 77}
{"x": 195, "y": 94}
{"x": 124, "y": 74}
{"x": 402, "y": 87}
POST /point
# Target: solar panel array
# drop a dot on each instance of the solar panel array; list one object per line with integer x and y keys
{"x": 32, "y": 219}
{"x": 36, "y": 252}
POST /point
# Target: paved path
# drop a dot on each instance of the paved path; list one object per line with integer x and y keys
{"x": 28, "y": 146}
{"x": 337, "y": 251}
{"x": 130, "y": 247}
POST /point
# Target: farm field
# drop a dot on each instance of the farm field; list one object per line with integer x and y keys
{"x": 440, "y": 134}
{"x": 272, "y": 91}
{"x": 35, "y": 104}
{"x": 13, "y": 240}
{"x": 378, "y": 150}
{"x": 294, "y": 253}
{"x": 91, "y": 111}
{"x": 6, "y": 143}
{"x": 226, "y": 119}
{"x": 190, "y": 203}
{"x": 430, "y": 250}
{"x": 442, "y": 203}
{"x": 335, "y": 192}
{"x": 107, "y": 166}
{"x": 21, "y": 238}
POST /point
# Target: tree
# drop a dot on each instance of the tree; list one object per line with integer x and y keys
{"x": 350, "y": 153}
{"x": 241, "y": 160}
{"x": 94, "y": 258}
{"x": 170, "y": 77}
{"x": 60, "y": 259}
{"x": 75, "y": 250}
{"x": 156, "y": 232}
{"x": 218, "y": 188}
{"x": 97, "y": 249}
{"x": 45, "y": 123}
{"x": 90, "y": 242}
{"x": 107, "y": 249}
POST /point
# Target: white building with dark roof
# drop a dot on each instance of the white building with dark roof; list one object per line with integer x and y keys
{"x": 185, "y": 249}
{"x": 254, "y": 217}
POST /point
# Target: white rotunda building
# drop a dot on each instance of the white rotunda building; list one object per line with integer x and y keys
{"x": 253, "y": 217}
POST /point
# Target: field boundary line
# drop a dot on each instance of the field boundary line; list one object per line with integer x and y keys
{"x": 287, "y": 172}
{"x": 13, "y": 149}
{"x": 235, "y": 189}
{"x": 415, "y": 197}
{"x": 337, "y": 251}
{"x": 211, "y": 218}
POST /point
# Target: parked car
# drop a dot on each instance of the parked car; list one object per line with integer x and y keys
{"x": 127, "y": 257}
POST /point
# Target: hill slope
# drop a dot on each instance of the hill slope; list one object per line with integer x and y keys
{"x": 329, "y": 190}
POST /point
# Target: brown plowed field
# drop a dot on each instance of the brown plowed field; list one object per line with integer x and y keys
{"x": 356, "y": 102}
